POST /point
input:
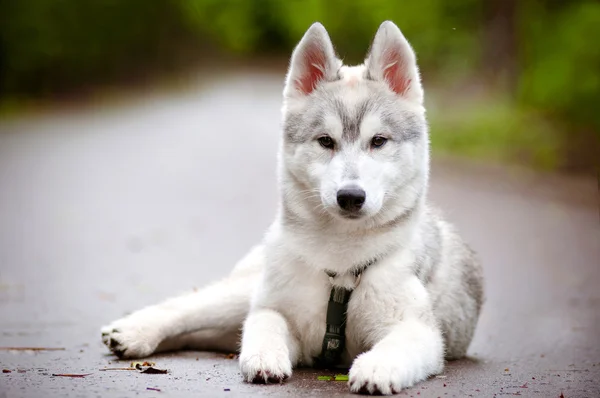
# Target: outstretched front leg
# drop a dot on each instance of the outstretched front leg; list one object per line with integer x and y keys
{"x": 269, "y": 350}
{"x": 218, "y": 309}
{"x": 269, "y": 347}
{"x": 407, "y": 345}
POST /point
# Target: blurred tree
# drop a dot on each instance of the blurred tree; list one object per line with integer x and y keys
{"x": 500, "y": 43}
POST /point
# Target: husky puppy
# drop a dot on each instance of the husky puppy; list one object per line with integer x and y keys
{"x": 353, "y": 218}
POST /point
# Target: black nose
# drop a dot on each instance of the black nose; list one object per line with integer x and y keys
{"x": 351, "y": 199}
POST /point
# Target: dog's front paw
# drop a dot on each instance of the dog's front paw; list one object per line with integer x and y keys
{"x": 378, "y": 374}
{"x": 267, "y": 366}
{"x": 131, "y": 337}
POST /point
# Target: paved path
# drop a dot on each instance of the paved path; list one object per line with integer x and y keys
{"x": 102, "y": 212}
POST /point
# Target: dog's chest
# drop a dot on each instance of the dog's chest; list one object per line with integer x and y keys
{"x": 305, "y": 308}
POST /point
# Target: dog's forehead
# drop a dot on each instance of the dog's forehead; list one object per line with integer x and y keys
{"x": 343, "y": 106}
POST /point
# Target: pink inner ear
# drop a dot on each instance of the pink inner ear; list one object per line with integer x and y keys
{"x": 394, "y": 72}
{"x": 312, "y": 56}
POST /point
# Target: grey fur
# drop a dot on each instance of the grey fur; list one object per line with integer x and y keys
{"x": 352, "y": 118}
{"x": 406, "y": 126}
{"x": 294, "y": 132}
{"x": 457, "y": 313}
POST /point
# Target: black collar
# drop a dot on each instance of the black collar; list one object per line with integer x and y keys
{"x": 335, "y": 331}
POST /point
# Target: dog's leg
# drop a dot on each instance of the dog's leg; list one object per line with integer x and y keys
{"x": 268, "y": 348}
{"x": 220, "y": 307}
{"x": 203, "y": 340}
{"x": 403, "y": 352}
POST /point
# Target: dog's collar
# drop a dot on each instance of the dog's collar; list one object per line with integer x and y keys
{"x": 356, "y": 271}
{"x": 335, "y": 329}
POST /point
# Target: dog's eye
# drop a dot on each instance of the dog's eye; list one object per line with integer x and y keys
{"x": 378, "y": 141}
{"x": 326, "y": 142}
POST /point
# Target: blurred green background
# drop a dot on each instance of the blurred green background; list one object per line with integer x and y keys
{"x": 506, "y": 80}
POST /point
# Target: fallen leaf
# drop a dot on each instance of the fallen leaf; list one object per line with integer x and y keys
{"x": 341, "y": 377}
{"x": 561, "y": 395}
{"x": 6, "y": 371}
{"x": 152, "y": 389}
{"x": 226, "y": 389}
{"x": 145, "y": 363}
{"x": 506, "y": 370}
{"x": 150, "y": 369}
{"x": 31, "y": 349}
{"x": 70, "y": 374}
{"x": 21, "y": 371}
{"x": 324, "y": 378}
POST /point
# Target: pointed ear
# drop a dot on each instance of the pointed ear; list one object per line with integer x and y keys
{"x": 392, "y": 59}
{"x": 313, "y": 61}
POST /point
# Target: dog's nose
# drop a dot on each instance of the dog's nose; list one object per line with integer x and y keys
{"x": 351, "y": 199}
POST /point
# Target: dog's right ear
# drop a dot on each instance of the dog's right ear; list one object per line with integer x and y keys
{"x": 392, "y": 60}
{"x": 313, "y": 61}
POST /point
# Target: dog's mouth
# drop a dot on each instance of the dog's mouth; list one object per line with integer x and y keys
{"x": 351, "y": 215}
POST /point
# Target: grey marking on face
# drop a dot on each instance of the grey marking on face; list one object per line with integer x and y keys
{"x": 300, "y": 127}
{"x": 317, "y": 121}
{"x": 292, "y": 129}
{"x": 352, "y": 119}
{"x": 403, "y": 126}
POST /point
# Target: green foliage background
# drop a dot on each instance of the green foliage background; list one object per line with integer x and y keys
{"x": 49, "y": 47}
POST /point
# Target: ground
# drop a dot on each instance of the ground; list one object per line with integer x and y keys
{"x": 108, "y": 209}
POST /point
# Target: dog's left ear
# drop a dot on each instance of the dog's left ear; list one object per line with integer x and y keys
{"x": 392, "y": 59}
{"x": 313, "y": 62}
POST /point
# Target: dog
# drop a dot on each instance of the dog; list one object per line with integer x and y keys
{"x": 357, "y": 270}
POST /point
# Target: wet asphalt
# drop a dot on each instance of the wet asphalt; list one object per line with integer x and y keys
{"x": 108, "y": 209}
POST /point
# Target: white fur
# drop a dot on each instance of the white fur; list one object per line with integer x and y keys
{"x": 279, "y": 292}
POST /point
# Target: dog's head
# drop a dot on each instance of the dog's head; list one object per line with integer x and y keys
{"x": 355, "y": 144}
